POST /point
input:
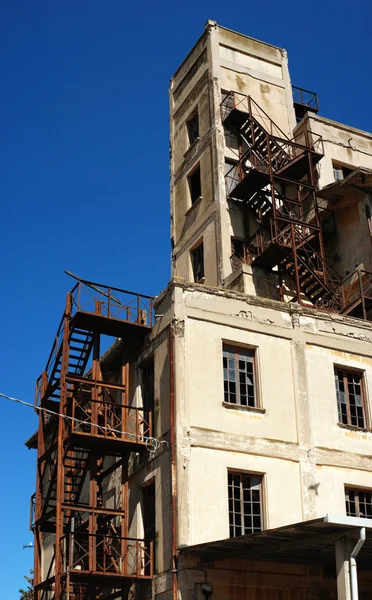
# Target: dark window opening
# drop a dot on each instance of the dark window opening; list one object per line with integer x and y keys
{"x": 148, "y": 382}
{"x": 195, "y": 185}
{"x": 193, "y": 128}
{"x": 231, "y": 176}
{"x": 245, "y": 503}
{"x": 239, "y": 376}
{"x": 232, "y": 140}
{"x": 197, "y": 259}
{"x": 238, "y": 248}
{"x": 228, "y": 102}
{"x": 340, "y": 172}
{"x": 358, "y": 503}
{"x": 350, "y": 398}
{"x": 148, "y": 497}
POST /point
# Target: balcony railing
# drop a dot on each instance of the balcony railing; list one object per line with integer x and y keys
{"x": 305, "y": 98}
{"x": 98, "y": 409}
{"x": 107, "y": 554}
{"x": 113, "y": 303}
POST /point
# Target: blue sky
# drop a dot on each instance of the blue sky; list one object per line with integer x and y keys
{"x": 84, "y": 167}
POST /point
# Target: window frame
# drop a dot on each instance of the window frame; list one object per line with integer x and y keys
{"x": 190, "y": 125}
{"x": 262, "y": 501}
{"x": 193, "y": 250}
{"x": 356, "y": 490}
{"x": 363, "y": 389}
{"x": 236, "y": 346}
{"x": 342, "y": 169}
{"x": 190, "y": 175}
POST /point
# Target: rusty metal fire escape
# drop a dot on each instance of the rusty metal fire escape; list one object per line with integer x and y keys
{"x": 80, "y": 508}
{"x": 275, "y": 178}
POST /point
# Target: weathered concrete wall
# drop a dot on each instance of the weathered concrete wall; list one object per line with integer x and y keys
{"x": 190, "y": 92}
{"x": 352, "y": 148}
{"x": 296, "y": 434}
{"x": 208, "y": 467}
{"x": 221, "y": 60}
{"x": 343, "y": 145}
{"x": 259, "y": 70}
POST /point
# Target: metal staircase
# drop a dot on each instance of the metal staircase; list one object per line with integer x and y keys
{"x": 274, "y": 177}
{"x": 85, "y": 438}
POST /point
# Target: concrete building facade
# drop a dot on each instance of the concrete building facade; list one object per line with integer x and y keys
{"x": 256, "y": 374}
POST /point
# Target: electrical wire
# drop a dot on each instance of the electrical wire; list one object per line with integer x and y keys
{"x": 152, "y": 444}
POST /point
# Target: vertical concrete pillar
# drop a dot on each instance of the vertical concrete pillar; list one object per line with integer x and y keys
{"x": 218, "y": 157}
{"x": 307, "y": 463}
{"x": 343, "y": 550}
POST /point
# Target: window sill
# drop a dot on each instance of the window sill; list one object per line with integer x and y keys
{"x": 354, "y": 428}
{"x": 196, "y": 140}
{"x": 197, "y": 201}
{"x": 254, "y": 409}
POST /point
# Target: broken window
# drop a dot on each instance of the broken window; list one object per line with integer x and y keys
{"x": 231, "y": 176}
{"x": 227, "y": 103}
{"x": 193, "y": 128}
{"x": 197, "y": 260}
{"x": 239, "y": 376}
{"x": 232, "y": 140}
{"x": 147, "y": 381}
{"x": 195, "y": 185}
{"x": 350, "y": 398}
{"x": 245, "y": 503}
{"x": 340, "y": 172}
{"x": 238, "y": 249}
{"x": 358, "y": 503}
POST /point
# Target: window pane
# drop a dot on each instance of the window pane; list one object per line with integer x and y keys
{"x": 245, "y": 512}
{"x": 358, "y": 503}
{"x": 350, "y": 402}
{"x": 238, "y": 368}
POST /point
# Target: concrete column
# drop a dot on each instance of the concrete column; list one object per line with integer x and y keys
{"x": 343, "y": 549}
{"x": 307, "y": 463}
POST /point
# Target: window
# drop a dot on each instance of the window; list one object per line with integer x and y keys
{"x": 350, "y": 401}
{"x": 239, "y": 376}
{"x": 227, "y": 103}
{"x": 231, "y": 176}
{"x": 232, "y": 140}
{"x": 194, "y": 185}
{"x": 193, "y": 128}
{"x": 197, "y": 260}
{"x": 148, "y": 383}
{"x": 245, "y": 504}
{"x": 238, "y": 248}
{"x": 341, "y": 172}
{"x": 358, "y": 503}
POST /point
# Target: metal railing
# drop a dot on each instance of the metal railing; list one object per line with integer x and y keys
{"x": 100, "y": 409}
{"x": 278, "y": 154}
{"x": 305, "y": 98}
{"x": 357, "y": 287}
{"x": 107, "y": 554}
{"x": 113, "y": 303}
{"x": 246, "y": 104}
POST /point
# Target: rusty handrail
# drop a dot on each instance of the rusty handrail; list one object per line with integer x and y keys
{"x": 236, "y": 100}
{"x": 113, "y": 554}
{"x": 306, "y": 97}
{"x": 103, "y": 300}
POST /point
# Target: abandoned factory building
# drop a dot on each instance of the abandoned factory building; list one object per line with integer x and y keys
{"x": 220, "y": 445}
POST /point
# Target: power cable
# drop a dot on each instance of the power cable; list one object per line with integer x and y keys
{"x": 152, "y": 444}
